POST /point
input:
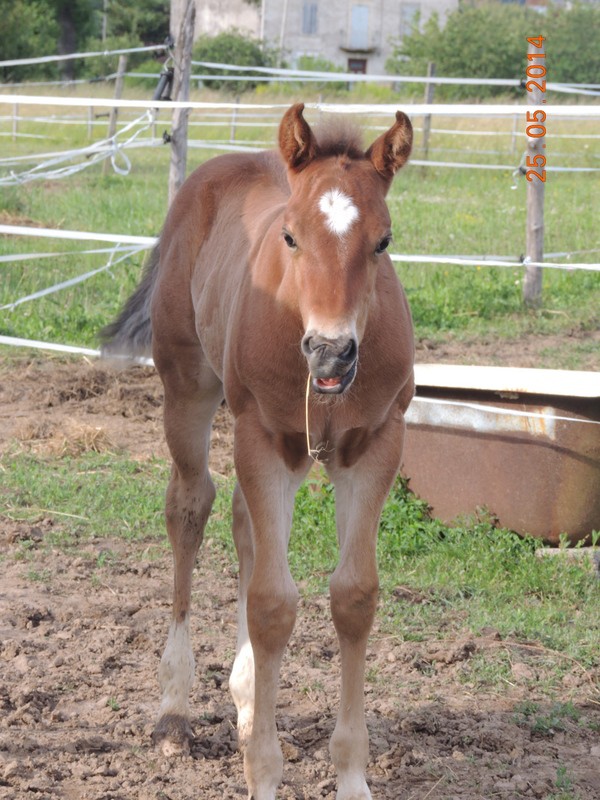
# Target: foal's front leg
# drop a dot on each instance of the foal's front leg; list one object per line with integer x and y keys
{"x": 360, "y": 494}
{"x": 269, "y": 487}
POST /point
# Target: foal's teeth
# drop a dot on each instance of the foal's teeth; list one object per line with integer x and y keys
{"x": 329, "y": 382}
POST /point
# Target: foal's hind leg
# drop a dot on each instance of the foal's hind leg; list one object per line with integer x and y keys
{"x": 192, "y": 395}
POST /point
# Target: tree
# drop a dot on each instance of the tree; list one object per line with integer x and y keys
{"x": 489, "y": 41}
{"x": 147, "y": 21}
{"x": 129, "y": 23}
{"x": 573, "y": 53}
{"x": 28, "y": 28}
{"x": 77, "y": 20}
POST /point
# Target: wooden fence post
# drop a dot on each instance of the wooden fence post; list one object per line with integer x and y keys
{"x": 181, "y": 91}
{"x": 428, "y": 98}
{"x": 114, "y": 112}
{"x": 234, "y": 114}
{"x": 534, "y": 244}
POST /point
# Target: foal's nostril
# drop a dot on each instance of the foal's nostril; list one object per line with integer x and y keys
{"x": 307, "y": 347}
{"x": 349, "y": 353}
{"x": 341, "y": 348}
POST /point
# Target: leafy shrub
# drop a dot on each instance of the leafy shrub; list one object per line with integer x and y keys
{"x": 231, "y": 47}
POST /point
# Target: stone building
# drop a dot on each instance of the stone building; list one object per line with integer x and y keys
{"x": 356, "y": 35}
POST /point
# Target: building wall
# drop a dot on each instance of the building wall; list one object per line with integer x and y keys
{"x": 336, "y": 30}
{"x": 216, "y": 16}
{"x": 345, "y": 29}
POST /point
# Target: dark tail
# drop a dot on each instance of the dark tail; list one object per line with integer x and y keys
{"x": 130, "y": 335}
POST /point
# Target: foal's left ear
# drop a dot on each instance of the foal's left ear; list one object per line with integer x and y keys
{"x": 296, "y": 140}
{"x": 391, "y": 150}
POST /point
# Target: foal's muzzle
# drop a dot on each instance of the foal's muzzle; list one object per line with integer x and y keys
{"x": 332, "y": 362}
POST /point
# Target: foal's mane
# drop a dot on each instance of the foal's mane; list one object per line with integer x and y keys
{"x": 337, "y": 136}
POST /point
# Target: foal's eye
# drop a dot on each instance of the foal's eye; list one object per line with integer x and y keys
{"x": 383, "y": 244}
{"x": 289, "y": 240}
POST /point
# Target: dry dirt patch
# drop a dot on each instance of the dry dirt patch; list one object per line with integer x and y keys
{"x": 81, "y": 636}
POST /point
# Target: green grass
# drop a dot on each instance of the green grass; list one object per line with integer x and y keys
{"x": 468, "y": 578}
{"x": 435, "y": 210}
{"x": 92, "y": 496}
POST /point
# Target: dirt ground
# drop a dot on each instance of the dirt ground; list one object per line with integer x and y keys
{"x": 79, "y": 651}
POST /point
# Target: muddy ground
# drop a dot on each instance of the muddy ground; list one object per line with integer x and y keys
{"x": 79, "y": 650}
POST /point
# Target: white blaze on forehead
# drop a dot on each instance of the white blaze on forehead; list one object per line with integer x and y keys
{"x": 339, "y": 210}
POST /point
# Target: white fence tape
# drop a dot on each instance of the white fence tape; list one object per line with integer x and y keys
{"x": 18, "y": 62}
{"x": 480, "y": 408}
{"x": 416, "y": 109}
{"x": 488, "y": 262}
{"x": 83, "y": 236}
{"x": 275, "y": 73}
{"x": 39, "y": 256}
{"x": 34, "y": 344}
{"x": 146, "y": 242}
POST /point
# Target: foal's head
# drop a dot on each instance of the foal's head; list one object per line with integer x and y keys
{"x": 336, "y": 229}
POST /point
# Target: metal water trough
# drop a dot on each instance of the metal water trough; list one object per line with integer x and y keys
{"x": 522, "y": 443}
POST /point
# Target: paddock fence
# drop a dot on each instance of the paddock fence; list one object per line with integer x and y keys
{"x": 493, "y": 129}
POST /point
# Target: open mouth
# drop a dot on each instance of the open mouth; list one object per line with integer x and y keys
{"x": 335, "y": 385}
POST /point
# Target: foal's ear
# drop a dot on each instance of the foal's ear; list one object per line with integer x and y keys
{"x": 391, "y": 150}
{"x": 296, "y": 141}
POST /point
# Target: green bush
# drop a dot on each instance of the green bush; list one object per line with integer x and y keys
{"x": 318, "y": 64}
{"x": 490, "y": 41}
{"x": 231, "y": 47}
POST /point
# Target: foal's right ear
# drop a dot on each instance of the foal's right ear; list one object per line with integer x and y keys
{"x": 296, "y": 140}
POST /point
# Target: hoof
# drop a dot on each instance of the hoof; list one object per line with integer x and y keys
{"x": 173, "y": 735}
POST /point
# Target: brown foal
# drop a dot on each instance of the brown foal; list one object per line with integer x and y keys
{"x": 270, "y": 287}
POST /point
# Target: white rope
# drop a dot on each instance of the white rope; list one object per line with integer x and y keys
{"x": 14, "y": 62}
{"x": 73, "y": 281}
{"x": 106, "y": 148}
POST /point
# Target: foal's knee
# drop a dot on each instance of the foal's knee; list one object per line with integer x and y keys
{"x": 271, "y": 615}
{"x": 353, "y": 604}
